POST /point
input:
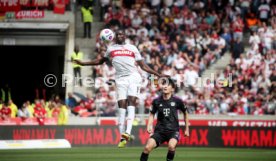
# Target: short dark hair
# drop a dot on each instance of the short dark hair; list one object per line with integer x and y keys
{"x": 170, "y": 81}
{"x": 121, "y": 30}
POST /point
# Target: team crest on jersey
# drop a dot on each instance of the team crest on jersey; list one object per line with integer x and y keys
{"x": 160, "y": 105}
{"x": 172, "y": 103}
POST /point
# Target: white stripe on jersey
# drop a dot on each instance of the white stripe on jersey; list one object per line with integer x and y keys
{"x": 123, "y": 58}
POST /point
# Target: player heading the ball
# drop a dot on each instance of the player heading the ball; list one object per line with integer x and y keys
{"x": 127, "y": 79}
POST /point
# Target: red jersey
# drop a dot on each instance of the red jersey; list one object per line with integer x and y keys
{"x": 238, "y": 25}
{"x": 88, "y": 104}
{"x": 240, "y": 111}
{"x": 40, "y": 112}
{"x": 5, "y": 112}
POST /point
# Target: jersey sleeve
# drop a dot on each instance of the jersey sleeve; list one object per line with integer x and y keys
{"x": 182, "y": 106}
{"x": 137, "y": 54}
{"x": 153, "y": 108}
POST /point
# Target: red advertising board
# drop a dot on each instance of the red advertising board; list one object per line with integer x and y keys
{"x": 230, "y": 123}
{"x": 9, "y": 5}
{"x": 25, "y": 3}
{"x": 59, "y": 8}
{"x": 29, "y": 14}
{"x": 40, "y": 3}
{"x": 107, "y": 121}
{"x": 200, "y": 136}
{"x": 16, "y": 5}
{"x": 29, "y": 121}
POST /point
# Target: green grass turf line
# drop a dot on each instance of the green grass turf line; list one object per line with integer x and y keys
{"x": 133, "y": 154}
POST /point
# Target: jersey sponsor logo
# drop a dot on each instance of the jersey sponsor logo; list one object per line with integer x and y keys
{"x": 166, "y": 112}
{"x": 172, "y": 103}
{"x": 122, "y": 53}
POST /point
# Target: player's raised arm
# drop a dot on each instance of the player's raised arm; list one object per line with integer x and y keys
{"x": 146, "y": 68}
{"x": 92, "y": 62}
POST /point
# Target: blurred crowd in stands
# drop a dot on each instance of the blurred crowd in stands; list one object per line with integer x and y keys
{"x": 182, "y": 38}
{"x": 39, "y": 109}
{"x": 75, "y": 104}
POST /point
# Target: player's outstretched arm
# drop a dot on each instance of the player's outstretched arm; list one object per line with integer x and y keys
{"x": 150, "y": 122}
{"x": 146, "y": 68}
{"x": 186, "y": 116}
{"x": 92, "y": 62}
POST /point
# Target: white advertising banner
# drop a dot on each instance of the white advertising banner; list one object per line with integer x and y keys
{"x": 35, "y": 144}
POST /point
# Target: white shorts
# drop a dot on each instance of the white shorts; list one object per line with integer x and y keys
{"x": 128, "y": 86}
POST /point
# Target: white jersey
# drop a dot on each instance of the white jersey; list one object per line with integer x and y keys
{"x": 123, "y": 58}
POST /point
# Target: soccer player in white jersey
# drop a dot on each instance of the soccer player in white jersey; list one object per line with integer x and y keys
{"x": 128, "y": 81}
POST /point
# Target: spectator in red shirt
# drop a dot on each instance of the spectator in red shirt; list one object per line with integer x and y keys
{"x": 258, "y": 108}
{"x": 108, "y": 15}
{"x": 126, "y": 22}
{"x": 237, "y": 26}
{"x": 240, "y": 110}
{"x": 90, "y": 103}
{"x": 5, "y": 112}
{"x": 40, "y": 114}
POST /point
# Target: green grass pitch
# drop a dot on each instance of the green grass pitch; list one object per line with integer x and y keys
{"x": 133, "y": 154}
